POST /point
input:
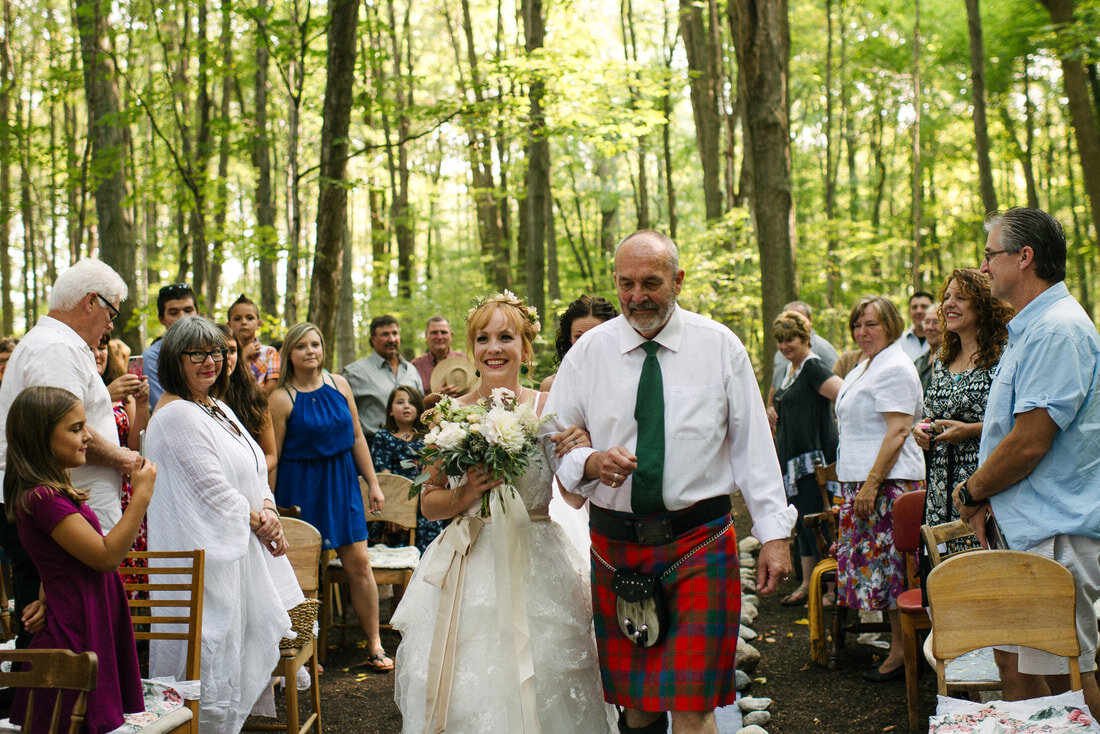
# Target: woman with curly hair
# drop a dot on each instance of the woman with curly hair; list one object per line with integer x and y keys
{"x": 975, "y": 330}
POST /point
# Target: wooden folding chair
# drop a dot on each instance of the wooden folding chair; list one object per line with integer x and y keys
{"x": 158, "y": 617}
{"x": 304, "y": 551}
{"x": 399, "y": 509}
{"x": 987, "y": 598}
{"x": 56, "y": 670}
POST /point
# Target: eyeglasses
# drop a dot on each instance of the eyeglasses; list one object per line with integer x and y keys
{"x": 110, "y": 306}
{"x": 990, "y": 254}
{"x": 198, "y": 357}
{"x": 176, "y": 290}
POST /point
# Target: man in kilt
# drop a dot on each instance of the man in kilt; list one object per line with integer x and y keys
{"x": 677, "y": 425}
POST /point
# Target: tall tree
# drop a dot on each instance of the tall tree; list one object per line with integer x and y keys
{"x": 332, "y": 201}
{"x": 1080, "y": 109}
{"x": 538, "y": 161}
{"x": 762, "y": 42}
{"x": 109, "y": 134}
{"x": 401, "y": 211}
{"x": 917, "y": 199}
{"x": 267, "y": 237}
{"x": 703, "y": 71}
{"x": 977, "y": 93}
{"x": 7, "y": 136}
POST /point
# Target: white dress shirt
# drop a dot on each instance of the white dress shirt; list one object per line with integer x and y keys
{"x": 52, "y": 354}
{"x": 912, "y": 344}
{"x": 717, "y": 439}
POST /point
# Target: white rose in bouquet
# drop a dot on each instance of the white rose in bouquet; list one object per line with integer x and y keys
{"x": 450, "y": 436}
{"x": 528, "y": 418}
{"x": 503, "y": 428}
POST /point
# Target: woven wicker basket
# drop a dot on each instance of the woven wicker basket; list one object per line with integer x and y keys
{"x": 302, "y": 619}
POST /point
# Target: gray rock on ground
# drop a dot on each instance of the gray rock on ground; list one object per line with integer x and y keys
{"x": 741, "y": 680}
{"x": 748, "y": 657}
{"x": 749, "y": 545}
{"x": 756, "y": 718}
{"x": 752, "y": 703}
{"x": 752, "y": 729}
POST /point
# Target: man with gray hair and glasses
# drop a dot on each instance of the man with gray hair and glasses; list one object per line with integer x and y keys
{"x": 1037, "y": 486}
{"x": 57, "y": 352}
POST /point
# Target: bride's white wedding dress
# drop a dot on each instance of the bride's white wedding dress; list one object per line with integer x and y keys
{"x": 496, "y": 627}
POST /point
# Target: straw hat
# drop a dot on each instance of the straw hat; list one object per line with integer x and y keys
{"x": 458, "y": 372}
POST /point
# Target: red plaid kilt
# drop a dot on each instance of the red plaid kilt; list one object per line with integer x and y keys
{"x": 692, "y": 669}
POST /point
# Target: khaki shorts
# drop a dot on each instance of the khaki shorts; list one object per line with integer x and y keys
{"x": 1081, "y": 555}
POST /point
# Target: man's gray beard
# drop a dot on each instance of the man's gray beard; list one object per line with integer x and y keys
{"x": 661, "y": 317}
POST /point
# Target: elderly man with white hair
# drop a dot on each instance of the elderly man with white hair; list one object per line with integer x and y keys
{"x": 57, "y": 352}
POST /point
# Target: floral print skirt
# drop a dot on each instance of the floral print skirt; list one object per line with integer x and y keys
{"x": 870, "y": 572}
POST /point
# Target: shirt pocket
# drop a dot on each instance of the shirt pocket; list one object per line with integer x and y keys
{"x": 694, "y": 413}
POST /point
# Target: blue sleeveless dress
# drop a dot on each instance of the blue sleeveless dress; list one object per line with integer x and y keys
{"x": 316, "y": 468}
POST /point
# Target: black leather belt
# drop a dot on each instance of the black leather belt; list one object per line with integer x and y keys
{"x": 657, "y": 529}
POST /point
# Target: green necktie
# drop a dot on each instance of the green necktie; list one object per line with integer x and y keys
{"x": 649, "y": 411}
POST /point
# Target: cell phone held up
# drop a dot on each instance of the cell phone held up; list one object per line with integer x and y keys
{"x": 136, "y": 366}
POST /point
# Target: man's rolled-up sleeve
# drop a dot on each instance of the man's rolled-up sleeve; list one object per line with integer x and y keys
{"x": 563, "y": 410}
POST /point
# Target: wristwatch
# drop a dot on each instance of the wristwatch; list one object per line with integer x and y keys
{"x": 967, "y": 500}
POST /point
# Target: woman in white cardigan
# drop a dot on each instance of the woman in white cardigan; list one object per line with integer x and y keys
{"x": 877, "y": 461}
{"x": 212, "y": 493}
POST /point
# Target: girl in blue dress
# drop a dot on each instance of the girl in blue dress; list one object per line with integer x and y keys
{"x": 395, "y": 451}
{"x": 322, "y": 453}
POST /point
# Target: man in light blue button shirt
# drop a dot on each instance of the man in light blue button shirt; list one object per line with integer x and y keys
{"x": 1039, "y": 461}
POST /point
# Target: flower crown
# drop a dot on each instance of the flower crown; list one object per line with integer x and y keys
{"x": 508, "y": 298}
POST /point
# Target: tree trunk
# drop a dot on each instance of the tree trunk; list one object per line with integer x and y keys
{"x": 345, "y": 316}
{"x": 217, "y": 250}
{"x": 1080, "y": 110}
{"x": 666, "y": 124}
{"x": 26, "y": 213}
{"x": 401, "y": 213}
{"x": 916, "y": 193}
{"x": 109, "y": 138}
{"x": 977, "y": 91}
{"x": 831, "y": 163}
{"x": 7, "y": 133}
{"x": 762, "y": 41}
{"x": 538, "y": 166}
{"x": 495, "y": 254}
{"x": 267, "y": 236}
{"x": 1079, "y": 246}
{"x": 703, "y": 73}
{"x": 332, "y": 201}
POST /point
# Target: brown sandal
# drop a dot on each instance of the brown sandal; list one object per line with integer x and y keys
{"x": 379, "y": 662}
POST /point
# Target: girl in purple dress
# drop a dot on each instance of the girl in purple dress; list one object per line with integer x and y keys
{"x": 81, "y": 587}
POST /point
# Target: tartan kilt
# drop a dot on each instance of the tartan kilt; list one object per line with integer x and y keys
{"x": 692, "y": 669}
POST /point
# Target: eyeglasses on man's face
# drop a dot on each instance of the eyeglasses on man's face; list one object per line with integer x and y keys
{"x": 990, "y": 254}
{"x": 110, "y": 306}
{"x": 200, "y": 356}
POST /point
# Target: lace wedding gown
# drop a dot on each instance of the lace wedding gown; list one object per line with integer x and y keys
{"x": 496, "y": 627}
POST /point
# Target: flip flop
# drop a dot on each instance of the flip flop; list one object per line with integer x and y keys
{"x": 794, "y": 599}
{"x": 379, "y": 662}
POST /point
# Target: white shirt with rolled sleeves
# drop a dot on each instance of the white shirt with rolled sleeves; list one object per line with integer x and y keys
{"x": 52, "y": 354}
{"x": 717, "y": 438}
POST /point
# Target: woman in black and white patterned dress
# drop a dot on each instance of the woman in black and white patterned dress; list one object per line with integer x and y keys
{"x": 974, "y": 325}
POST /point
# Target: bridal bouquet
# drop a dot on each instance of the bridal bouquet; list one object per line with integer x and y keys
{"x": 498, "y": 434}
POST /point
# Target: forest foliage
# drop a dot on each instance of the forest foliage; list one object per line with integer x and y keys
{"x": 494, "y": 145}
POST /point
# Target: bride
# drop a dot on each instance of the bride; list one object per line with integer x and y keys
{"x": 496, "y": 623}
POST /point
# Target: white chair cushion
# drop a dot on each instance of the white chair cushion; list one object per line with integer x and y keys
{"x": 382, "y": 556}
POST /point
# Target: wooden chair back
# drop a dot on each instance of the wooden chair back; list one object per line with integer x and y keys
{"x": 399, "y": 509}
{"x": 304, "y": 552}
{"x": 937, "y": 537}
{"x": 57, "y": 670}
{"x": 986, "y": 598}
{"x": 824, "y": 523}
{"x": 167, "y": 614}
